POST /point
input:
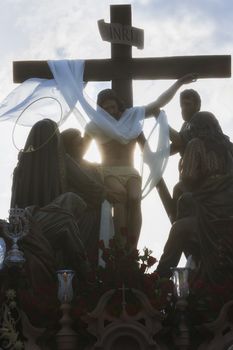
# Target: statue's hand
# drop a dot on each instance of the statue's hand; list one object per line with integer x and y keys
{"x": 188, "y": 78}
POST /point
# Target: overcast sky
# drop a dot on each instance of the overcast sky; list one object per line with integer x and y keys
{"x": 57, "y": 29}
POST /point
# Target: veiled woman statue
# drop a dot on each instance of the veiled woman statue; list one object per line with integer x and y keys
{"x": 42, "y": 183}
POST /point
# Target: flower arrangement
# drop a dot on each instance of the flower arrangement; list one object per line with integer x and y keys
{"x": 132, "y": 269}
{"x": 122, "y": 267}
{"x": 128, "y": 268}
{"x": 206, "y": 299}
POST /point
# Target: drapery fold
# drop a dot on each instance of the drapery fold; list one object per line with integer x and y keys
{"x": 67, "y": 88}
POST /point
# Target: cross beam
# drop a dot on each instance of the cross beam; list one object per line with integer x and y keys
{"x": 121, "y": 69}
{"x": 214, "y": 66}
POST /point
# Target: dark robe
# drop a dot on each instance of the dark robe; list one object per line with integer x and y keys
{"x": 57, "y": 223}
{"x": 44, "y": 172}
{"x": 89, "y": 222}
{"x": 207, "y": 174}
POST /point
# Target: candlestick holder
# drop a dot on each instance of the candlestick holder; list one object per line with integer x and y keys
{"x": 2, "y": 252}
{"x": 15, "y": 229}
{"x": 181, "y": 291}
{"x": 66, "y": 337}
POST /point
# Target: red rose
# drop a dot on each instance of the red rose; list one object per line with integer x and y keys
{"x": 143, "y": 267}
{"x": 148, "y": 283}
{"x": 154, "y": 275}
{"x": 151, "y": 261}
{"x": 101, "y": 244}
{"x": 106, "y": 254}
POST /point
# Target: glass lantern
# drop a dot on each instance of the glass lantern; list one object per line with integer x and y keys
{"x": 180, "y": 280}
{"x": 65, "y": 288}
{"x": 2, "y": 252}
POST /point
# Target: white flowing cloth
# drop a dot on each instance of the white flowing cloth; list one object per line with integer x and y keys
{"x": 67, "y": 88}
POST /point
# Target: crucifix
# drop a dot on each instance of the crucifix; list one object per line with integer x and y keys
{"x": 121, "y": 68}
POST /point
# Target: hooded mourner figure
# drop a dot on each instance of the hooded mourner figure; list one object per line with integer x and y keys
{"x": 207, "y": 172}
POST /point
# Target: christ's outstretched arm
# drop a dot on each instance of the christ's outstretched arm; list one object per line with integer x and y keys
{"x": 154, "y": 107}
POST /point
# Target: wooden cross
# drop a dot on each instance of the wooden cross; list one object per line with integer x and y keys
{"x": 121, "y": 69}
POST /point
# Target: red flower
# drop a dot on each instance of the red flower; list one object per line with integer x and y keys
{"x": 101, "y": 244}
{"x": 106, "y": 254}
{"x": 143, "y": 267}
{"x": 148, "y": 283}
{"x": 154, "y": 275}
{"x": 151, "y": 261}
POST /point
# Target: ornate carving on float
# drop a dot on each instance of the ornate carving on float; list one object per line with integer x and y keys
{"x": 221, "y": 330}
{"x": 137, "y": 330}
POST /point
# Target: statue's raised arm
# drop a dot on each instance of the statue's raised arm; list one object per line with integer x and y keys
{"x": 154, "y": 107}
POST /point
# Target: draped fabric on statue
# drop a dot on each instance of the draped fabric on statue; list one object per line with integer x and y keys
{"x": 44, "y": 172}
{"x": 205, "y": 208}
{"x": 40, "y": 174}
{"x": 68, "y": 90}
{"x": 40, "y": 260}
{"x": 69, "y": 78}
{"x": 214, "y": 203}
{"x": 155, "y": 154}
{"x": 58, "y": 223}
{"x": 88, "y": 185}
{"x": 79, "y": 181}
{"x": 89, "y": 223}
{"x": 52, "y": 243}
{"x": 103, "y": 127}
{"x": 207, "y": 170}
